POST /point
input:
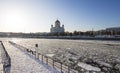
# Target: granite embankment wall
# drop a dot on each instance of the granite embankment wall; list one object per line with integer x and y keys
{"x": 5, "y": 59}
{"x": 84, "y": 37}
{"x": 75, "y": 37}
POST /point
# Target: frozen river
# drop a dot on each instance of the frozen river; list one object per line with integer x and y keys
{"x": 77, "y": 46}
{"x": 101, "y": 51}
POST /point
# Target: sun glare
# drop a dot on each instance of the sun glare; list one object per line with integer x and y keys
{"x": 14, "y": 20}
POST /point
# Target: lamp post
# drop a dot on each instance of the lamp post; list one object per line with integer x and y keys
{"x": 36, "y": 49}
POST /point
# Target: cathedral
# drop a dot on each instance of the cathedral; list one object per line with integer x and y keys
{"x": 57, "y": 28}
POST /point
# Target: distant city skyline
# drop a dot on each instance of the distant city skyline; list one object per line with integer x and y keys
{"x": 39, "y": 15}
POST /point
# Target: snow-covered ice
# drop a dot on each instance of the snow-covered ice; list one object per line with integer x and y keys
{"x": 50, "y": 55}
{"x": 97, "y": 53}
{"x": 21, "y": 62}
{"x": 88, "y": 67}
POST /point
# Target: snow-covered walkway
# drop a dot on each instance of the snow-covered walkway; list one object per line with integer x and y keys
{"x": 21, "y": 62}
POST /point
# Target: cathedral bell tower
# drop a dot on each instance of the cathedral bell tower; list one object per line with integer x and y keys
{"x": 57, "y": 23}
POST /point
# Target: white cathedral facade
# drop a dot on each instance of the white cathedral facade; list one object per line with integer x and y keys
{"x": 57, "y": 28}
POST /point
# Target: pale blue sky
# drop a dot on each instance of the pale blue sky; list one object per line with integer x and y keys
{"x": 38, "y": 15}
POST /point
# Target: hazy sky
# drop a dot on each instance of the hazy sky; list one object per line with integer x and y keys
{"x": 38, "y": 15}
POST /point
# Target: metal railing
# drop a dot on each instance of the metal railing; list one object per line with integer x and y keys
{"x": 48, "y": 60}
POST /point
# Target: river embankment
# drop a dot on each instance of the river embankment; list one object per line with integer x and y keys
{"x": 76, "y": 37}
